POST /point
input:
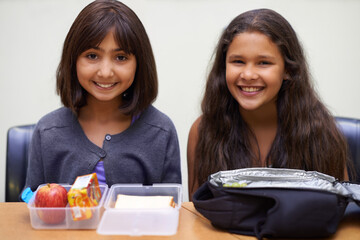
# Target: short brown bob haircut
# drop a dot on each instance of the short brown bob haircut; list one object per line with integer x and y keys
{"x": 88, "y": 30}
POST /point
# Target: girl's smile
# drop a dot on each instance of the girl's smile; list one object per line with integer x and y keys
{"x": 250, "y": 90}
{"x": 105, "y": 85}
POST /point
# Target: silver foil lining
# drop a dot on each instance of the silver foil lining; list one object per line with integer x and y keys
{"x": 284, "y": 178}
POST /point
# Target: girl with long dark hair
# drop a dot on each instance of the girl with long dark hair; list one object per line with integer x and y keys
{"x": 260, "y": 108}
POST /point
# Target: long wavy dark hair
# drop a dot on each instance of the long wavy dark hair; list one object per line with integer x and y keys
{"x": 307, "y": 136}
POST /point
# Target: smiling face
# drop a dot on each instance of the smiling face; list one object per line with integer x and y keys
{"x": 106, "y": 71}
{"x": 254, "y": 71}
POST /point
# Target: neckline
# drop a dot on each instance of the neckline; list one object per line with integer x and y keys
{"x": 92, "y": 146}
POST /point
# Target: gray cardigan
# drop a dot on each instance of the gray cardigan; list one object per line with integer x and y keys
{"x": 147, "y": 152}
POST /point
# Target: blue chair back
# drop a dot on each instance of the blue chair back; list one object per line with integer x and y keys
{"x": 350, "y": 127}
{"x": 18, "y": 139}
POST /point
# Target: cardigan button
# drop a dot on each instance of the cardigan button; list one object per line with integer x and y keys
{"x": 108, "y": 137}
{"x": 102, "y": 154}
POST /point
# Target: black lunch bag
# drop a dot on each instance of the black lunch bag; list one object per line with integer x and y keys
{"x": 275, "y": 203}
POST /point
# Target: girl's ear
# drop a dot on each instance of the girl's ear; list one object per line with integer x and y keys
{"x": 286, "y": 76}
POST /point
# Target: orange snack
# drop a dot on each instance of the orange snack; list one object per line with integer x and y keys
{"x": 84, "y": 194}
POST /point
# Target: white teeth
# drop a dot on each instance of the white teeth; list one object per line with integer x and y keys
{"x": 250, "y": 89}
{"x": 105, "y": 85}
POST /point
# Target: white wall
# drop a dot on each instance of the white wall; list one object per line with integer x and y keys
{"x": 183, "y": 35}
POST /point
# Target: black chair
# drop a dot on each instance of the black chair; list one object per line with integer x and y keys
{"x": 350, "y": 127}
{"x": 18, "y": 139}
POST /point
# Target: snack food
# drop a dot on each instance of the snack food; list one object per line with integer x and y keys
{"x": 133, "y": 202}
{"x": 51, "y": 196}
{"x": 84, "y": 193}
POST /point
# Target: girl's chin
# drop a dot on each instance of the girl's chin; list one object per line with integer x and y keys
{"x": 106, "y": 99}
{"x": 248, "y": 106}
{"x": 248, "y": 109}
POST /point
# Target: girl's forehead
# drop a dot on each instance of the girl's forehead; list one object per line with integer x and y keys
{"x": 252, "y": 38}
{"x": 253, "y": 45}
{"x": 253, "y": 33}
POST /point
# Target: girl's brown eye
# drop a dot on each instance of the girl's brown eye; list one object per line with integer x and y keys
{"x": 91, "y": 56}
{"x": 264, "y": 63}
{"x": 121, "y": 58}
{"x": 238, "y": 61}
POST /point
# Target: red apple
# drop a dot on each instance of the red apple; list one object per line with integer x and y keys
{"x": 51, "y": 196}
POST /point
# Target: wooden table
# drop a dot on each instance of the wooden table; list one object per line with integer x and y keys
{"x": 15, "y": 225}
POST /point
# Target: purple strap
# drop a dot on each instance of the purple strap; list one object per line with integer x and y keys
{"x": 100, "y": 172}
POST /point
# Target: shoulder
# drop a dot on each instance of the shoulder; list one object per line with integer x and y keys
{"x": 193, "y": 137}
{"x": 195, "y": 128}
{"x": 61, "y": 117}
{"x": 155, "y": 118}
{"x": 191, "y": 156}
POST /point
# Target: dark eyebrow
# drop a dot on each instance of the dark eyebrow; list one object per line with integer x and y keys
{"x": 266, "y": 57}
{"x": 236, "y": 56}
{"x": 114, "y": 50}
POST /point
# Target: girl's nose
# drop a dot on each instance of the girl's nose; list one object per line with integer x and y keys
{"x": 249, "y": 73}
{"x": 105, "y": 69}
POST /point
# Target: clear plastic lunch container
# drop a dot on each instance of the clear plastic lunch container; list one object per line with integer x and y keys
{"x": 63, "y": 216}
{"x": 141, "y": 221}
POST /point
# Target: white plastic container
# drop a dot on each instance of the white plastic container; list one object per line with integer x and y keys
{"x": 143, "y": 221}
{"x": 68, "y": 222}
